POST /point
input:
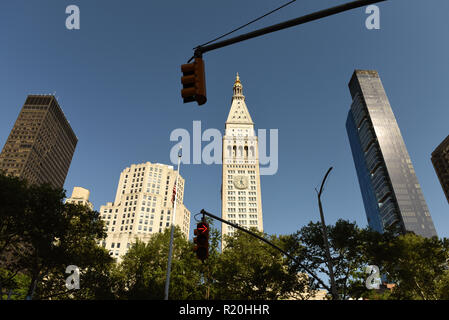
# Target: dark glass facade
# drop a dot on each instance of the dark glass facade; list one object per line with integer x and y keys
{"x": 41, "y": 144}
{"x": 390, "y": 190}
{"x": 440, "y": 160}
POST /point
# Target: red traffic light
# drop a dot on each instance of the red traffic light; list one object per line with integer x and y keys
{"x": 201, "y": 240}
{"x": 202, "y": 227}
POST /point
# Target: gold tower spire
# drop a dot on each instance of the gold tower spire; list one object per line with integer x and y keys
{"x": 238, "y": 92}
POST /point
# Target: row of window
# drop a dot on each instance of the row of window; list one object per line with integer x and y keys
{"x": 242, "y": 216}
{"x": 242, "y": 204}
{"x": 140, "y": 228}
{"x": 240, "y": 210}
{"x": 240, "y": 151}
{"x": 243, "y": 223}
{"x": 137, "y": 171}
{"x": 232, "y": 198}
{"x": 242, "y": 171}
{"x": 104, "y": 216}
{"x": 242, "y": 193}
{"x": 231, "y": 187}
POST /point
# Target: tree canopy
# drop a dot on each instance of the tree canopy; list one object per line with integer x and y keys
{"x": 40, "y": 236}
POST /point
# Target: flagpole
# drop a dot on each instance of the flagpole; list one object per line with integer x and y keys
{"x": 170, "y": 251}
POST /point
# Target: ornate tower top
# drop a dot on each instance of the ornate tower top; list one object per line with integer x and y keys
{"x": 238, "y": 89}
{"x": 239, "y": 112}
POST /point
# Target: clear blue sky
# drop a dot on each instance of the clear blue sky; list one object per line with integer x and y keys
{"x": 118, "y": 82}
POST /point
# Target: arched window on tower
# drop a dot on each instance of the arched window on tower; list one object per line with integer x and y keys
{"x": 240, "y": 152}
{"x": 234, "y": 151}
{"x": 251, "y": 152}
{"x": 229, "y": 151}
{"x": 246, "y": 152}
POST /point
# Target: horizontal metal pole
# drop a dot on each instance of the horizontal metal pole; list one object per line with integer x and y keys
{"x": 287, "y": 24}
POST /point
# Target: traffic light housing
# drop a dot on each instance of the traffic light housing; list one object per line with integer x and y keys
{"x": 194, "y": 82}
{"x": 201, "y": 240}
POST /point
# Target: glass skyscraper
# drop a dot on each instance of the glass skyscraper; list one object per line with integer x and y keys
{"x": 390, "y": 190}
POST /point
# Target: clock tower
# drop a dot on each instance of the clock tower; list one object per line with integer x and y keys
{"x": 240, "y": 193}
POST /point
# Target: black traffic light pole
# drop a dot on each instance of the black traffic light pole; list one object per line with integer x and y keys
{"x": 287, "y": 24}
{"x": 204, "y": 212}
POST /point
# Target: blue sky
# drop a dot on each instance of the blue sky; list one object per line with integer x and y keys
{"x": 118, "y": 82}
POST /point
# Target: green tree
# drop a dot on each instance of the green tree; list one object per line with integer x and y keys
{"x": 78, "y": 246}
{"x": 345, "y": 244}
{"x": 13, "y": 285}
{"x": 42, "y": 223}
{"x": 443, "y": 286}
{"x": 418, "y": 266}
{"x": 250, "y": 269}
{"x": 13, "y": 200}
{"x": 40, "y": 236}
{"x": 142, "y": 272}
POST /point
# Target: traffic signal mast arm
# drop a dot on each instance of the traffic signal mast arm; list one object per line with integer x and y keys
{"x": 287, "y": 24}
{"x": 204, "y": 212}
{"x": 194, "y": 79}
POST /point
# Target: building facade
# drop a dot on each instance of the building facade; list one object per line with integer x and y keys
{"x": 240, "y": 192}
{"x": 143, "y": 206}
{"x": 41, "y": 144}
{"x": 440, "y": 161}
{"x": 390, "y": 190}
{"x": 80, "y": 196}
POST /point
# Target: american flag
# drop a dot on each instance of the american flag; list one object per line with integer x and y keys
{"x": 174, "y": 186}
{"x": 174, "y": 193}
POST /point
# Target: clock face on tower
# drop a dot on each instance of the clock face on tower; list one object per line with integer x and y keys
{"x": 241, "y": 182}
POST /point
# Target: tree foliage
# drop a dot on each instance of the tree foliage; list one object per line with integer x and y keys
{"x": 251, "y": 269}
{"x": 40, "y": 236}
{"x": 142, "y": 271}
{"x": 417, "y": 266}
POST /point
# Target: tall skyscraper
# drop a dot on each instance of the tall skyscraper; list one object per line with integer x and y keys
{"x": 390, "y": 190}
{"x": 41, "y": 144}
{"x": 80, "y": 196}
{"x": 440, "y": 160}
{"x": 240, "y": 193}
{"x": 143, "y": 206}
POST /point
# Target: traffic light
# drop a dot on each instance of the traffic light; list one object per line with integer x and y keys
{"x": 194, "y": 82}
{"x": 201, "y": 240}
